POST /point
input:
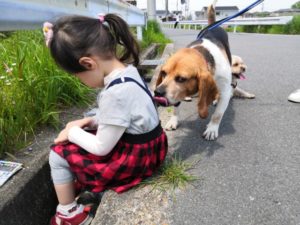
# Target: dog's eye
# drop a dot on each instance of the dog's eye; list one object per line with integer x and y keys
{"x": 236, "y": 64}
{"x": 180, "y": 79}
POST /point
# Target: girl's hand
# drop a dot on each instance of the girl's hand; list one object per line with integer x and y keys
{"x": 62, "y": 137}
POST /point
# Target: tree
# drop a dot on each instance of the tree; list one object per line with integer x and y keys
{"x": 296, "y": 5}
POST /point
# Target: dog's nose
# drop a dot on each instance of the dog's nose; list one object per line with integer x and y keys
{"x": 243, "y": 69}
{"x": 159, "y": 92}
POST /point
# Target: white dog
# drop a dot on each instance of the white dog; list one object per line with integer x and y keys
{"x": 238, "y": 68}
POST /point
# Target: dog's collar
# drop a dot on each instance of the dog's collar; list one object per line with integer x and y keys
{"x": 236, "y": 75}
{"x": 234, "y": 84}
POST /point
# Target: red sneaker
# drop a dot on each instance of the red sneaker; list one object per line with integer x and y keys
{"x": 79, "y": 219}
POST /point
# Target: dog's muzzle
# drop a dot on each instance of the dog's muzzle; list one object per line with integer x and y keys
{"x": 240, "y": 76}
{"x": 159, "y": 96}
{"x": 160, "y": 99}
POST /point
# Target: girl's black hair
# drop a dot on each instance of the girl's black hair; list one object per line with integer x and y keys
{"x": 78, "y": 36}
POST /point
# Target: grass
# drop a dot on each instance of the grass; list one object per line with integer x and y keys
{"x": 173, "y": 174}
{"x": 32, "y": 89}
{"x": 152, "y": 34}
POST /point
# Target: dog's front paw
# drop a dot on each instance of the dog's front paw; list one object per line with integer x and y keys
{"x": 211, "y": 132}
{"x": 172, "y": 123}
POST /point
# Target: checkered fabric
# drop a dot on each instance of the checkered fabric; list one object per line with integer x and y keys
{"x": 134, "y": 158}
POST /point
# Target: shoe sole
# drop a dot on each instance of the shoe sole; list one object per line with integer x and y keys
{"x": 87, "y": 221}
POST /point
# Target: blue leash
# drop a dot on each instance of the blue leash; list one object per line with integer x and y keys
{"x": 219, "y": 22}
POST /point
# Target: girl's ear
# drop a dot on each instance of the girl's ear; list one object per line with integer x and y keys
{"x": 87, "y": 63}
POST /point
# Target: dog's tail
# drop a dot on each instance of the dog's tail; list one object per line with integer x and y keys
{"x": 211, "y": 13}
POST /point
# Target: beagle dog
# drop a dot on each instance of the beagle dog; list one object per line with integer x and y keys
{"x": 203, "y": 67}
{"x": 238, "y": 68}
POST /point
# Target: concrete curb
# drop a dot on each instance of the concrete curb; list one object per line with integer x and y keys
{"x": 137, "y": 206}
{"x": 29, "y": 197}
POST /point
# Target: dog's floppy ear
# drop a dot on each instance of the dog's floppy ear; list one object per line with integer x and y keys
{"x": 208, "y": 92}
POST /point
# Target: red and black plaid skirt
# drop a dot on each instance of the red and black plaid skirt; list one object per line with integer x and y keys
{"x": 134, "y": 158}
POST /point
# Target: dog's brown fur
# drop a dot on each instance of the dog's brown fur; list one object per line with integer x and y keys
{"x": 188, "y": 64}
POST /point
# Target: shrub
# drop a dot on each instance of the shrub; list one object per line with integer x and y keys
{"x": 276, "y": 29}
{"x": 294, "y": 26}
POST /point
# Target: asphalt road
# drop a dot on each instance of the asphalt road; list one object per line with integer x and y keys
{"x": 251, "y": 174}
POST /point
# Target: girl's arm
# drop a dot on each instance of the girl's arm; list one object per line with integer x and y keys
{"x": 100, "y": 144}
{"x": 85, "y": 122}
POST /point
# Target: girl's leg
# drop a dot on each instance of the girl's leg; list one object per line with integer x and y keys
{"x": 65, "y": 193}
{"x": 68, "y": 210}
{"x": 63, "y": 179}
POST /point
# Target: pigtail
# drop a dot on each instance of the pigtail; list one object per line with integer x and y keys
{"x": 120, "y": 30}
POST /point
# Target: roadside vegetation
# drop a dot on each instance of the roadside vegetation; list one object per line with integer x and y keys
{"x": 172, "y": 175}
{"x": 33, "y": 90}
{"x": 292, "y": 27}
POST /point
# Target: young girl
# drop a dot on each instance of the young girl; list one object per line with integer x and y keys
{"x": 129, "y": 143}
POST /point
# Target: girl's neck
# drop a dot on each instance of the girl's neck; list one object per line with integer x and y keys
{"x": 111, "y": 65}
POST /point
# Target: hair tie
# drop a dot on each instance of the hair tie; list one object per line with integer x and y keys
{"x": 48, "y": 32}
{"x": 101, "y": 17}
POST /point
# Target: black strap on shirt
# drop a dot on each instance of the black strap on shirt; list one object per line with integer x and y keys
{"x": 129, "y": 79}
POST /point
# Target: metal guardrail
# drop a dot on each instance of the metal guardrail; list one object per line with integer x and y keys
{"x": 30, "y": 14}
{"x": 234, "y": 22}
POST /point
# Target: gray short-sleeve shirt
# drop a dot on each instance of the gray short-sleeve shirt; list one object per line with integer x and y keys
{"x": 127, "y": 104}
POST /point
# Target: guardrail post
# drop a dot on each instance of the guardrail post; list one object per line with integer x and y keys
{"x": 139, "y": 33}
{"x": 151, "y": 9}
